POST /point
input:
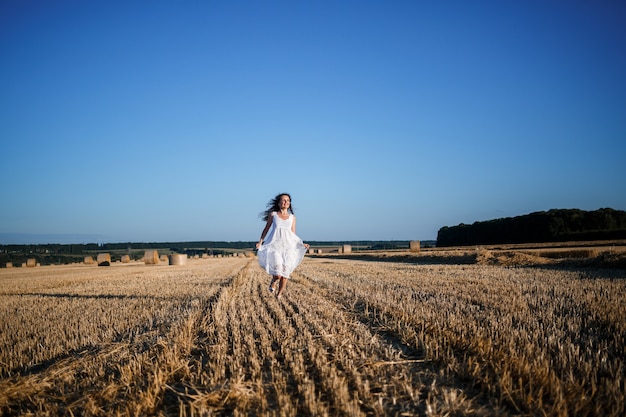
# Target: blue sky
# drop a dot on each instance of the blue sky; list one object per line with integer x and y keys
{"x": 173, "y": 121}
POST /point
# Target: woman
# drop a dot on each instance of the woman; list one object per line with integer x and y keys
{"x": 280, "y": 249}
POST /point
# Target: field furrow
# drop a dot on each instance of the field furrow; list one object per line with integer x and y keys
{"x": 348, "y": 338}
{"x": 463, "y": 319}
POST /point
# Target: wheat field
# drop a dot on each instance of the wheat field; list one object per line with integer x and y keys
{"x": 348, "y": 338}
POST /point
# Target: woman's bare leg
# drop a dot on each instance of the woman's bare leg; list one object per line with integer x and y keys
{"x": 281, "y": 286}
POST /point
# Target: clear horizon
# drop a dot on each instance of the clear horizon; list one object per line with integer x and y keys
{"x": 35, "y": 239}
{"x": 27, "y": 239}
{"x": 154, "y": 121}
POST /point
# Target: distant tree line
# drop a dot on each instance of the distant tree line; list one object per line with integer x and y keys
{"x": 556, "y": 225}
{"x": 364, "y": 244}
{"x": 90, "y": 248}
{"x": 178, "y": 245}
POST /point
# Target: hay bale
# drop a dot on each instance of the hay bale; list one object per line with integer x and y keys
{"x": 319, "y": 251}
{"x": 125, "y": 259}
{"x": 88, "y": 260}
{"x": 151, "y": 257}
{"x": 104, "y": 259}
{"x": 163, "y": 258}
{"x": 346, "y": 249}
{"x": 177, "y": 259}
{"x": 414, "y": 246}
{"x": 9, "y": 264}
{"x": 31, "y": 262}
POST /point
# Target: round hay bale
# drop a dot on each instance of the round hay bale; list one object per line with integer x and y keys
{"x": 163, "y": 258}
{"x": 151, "y": 257}
{"x": 178, "y": 259}
{"x": 125, "y": 259}
{"x": 346, "y": 249}
{"x": 9, "y": 265}
{"x": 104, "y": 259}
{"x": 88, "y": 260}
{"x": 31, "y": 262}
{"x": 414, "y": 246}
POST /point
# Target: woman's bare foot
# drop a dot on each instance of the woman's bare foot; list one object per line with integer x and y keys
{"x": 273, "y": 284}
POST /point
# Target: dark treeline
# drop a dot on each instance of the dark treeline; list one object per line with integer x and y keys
{"x": 556, "y": 225}
{"x": 364, "y": 244}
{"x": 180, "y": 246}
{"x": 90, "y": 248}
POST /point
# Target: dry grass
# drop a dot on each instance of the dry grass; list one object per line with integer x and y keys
{"x": 349, "y": 338}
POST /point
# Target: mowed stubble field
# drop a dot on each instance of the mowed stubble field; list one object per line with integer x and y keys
{"x": 349, "y": 337}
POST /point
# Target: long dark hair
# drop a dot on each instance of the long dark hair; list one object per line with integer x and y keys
{"x": 274, "y": 205}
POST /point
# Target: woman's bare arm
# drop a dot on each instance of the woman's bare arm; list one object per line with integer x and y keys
{"x": 267, "y": 227}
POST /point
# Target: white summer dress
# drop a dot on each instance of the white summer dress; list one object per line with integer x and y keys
{"x": 282, "y": 250}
